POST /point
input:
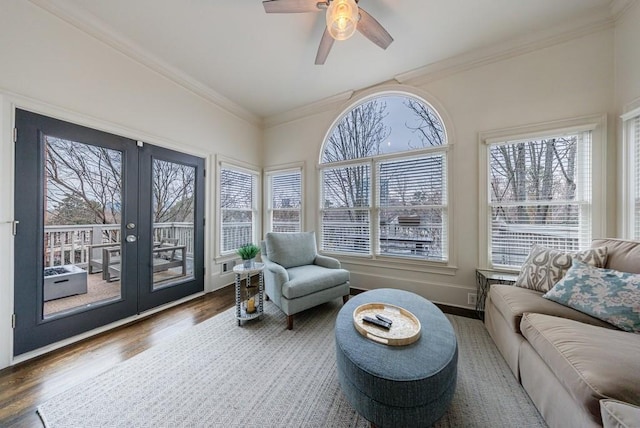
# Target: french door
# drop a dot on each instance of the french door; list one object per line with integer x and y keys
{"x": 108, "y": 227}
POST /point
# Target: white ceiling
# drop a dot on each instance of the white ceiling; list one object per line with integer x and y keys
{"x": 263, "y": 64}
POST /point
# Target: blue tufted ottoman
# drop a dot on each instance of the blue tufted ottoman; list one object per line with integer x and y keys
{"x": 398, "y": 386}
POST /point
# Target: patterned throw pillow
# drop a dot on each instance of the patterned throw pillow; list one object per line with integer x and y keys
{"x": 607, "y": 294}
{"x": 545, "y": 266}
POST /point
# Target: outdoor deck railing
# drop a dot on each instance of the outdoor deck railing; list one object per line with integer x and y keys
{"x": 70, "y": 244}
{"x": 511, "y": 243}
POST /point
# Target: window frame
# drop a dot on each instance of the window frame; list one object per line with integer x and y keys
{"x": 595, "y": 124}
{"x": 447, "y": 264}
{"x": 269, "y": 174}
{"x": 234, "y": 165}
{"x": 442, "y": 151}
{"x": 630, "y": 159}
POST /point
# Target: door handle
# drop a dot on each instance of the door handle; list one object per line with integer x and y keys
{"x": 14, "y": 226}
{"x": 131, "y": 238}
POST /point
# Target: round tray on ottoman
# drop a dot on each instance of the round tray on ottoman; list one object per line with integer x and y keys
{"x": 404, "y": 329}
{"x": 392, "y": 386}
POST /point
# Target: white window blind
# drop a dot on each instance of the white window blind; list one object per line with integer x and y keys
{"x": 285, "y": 201}
{"x": 412, "y": 197}
{"x": 345, "y": 209}
{"x": 635, "y": 148}
{"x": 238, "y": 208}
{"x": 384, "y": 181}
{"x": 540, "y": 193}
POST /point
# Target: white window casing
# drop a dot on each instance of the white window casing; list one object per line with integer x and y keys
{"x": 238, "y": 207}
{"x": 284, "y": 190}
{"x": 542, "y": 185}
{"x": 630, "y": 195}
{"x": 386, "y": 198}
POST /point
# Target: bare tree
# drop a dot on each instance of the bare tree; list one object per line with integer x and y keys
{"x": 236, "y": 196}
{"x": 173, "y": 192}
{"x": 86, "y": 173}
{"x": 84, "y": 184}
{"x": 358, "y": 135}
{"x": 426, "y": 123}
{"x": 236, "y": 190}
{"x": 541, "y": 170}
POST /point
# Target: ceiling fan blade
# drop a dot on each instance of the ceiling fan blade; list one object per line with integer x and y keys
{"x": 373, "y": 31}
{"x": 325, "y": 46}
{"x": 290, "y": 6}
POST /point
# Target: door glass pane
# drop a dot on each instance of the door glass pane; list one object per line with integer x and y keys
{"x": 83, "y": 206}
{"x": 173, "y": 221}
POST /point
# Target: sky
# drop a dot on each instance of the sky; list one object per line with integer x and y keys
{"x": 401, "y": 137}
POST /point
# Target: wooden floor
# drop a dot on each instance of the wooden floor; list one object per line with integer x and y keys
{"x": 25, "y": 386}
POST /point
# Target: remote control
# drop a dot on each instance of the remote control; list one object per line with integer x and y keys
{"x": 385, "y": 319}
{"x": 376, "y": 321}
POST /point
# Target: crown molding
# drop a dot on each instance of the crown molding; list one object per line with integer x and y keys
{"x": 307, "y": 110}
{"x": 620, "y": 7}
{"x": 598, "y": 21}
{"x": 25, "y": 102}
{"x": 90, "y": 25}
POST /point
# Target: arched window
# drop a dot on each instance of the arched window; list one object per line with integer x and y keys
{"x": 383, "y": 172}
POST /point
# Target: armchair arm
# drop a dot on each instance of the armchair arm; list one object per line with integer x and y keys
{"x": 279, "y": 273}
{"x": 326, "y": 261}
{"x": 275, "y": 276}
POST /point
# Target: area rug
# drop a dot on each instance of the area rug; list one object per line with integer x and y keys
{"x": 217, "y": 374}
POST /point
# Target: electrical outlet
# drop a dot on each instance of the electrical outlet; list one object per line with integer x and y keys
{"x": 471, "y": 298}
{"x": 228, "y": 266}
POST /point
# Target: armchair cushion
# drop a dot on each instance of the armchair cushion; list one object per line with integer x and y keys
{"x": 310, "y": 279}
{"x": 291, "y": 249}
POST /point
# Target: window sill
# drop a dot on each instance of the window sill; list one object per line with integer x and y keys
{"x": 397, "y": 263}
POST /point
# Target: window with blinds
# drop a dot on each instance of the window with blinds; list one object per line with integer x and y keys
{"x": 238, "y": 202}
{"x": 285, "y": 200}
{"x": 412, "y": 200}
{"x": 635, "y": 171}
{"x": 346, "y": 201}
{"x": 383, "y": 177}
{"x": 540, "y": 193}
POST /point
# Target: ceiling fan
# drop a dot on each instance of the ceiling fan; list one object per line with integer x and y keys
{"x": 344, "y": 17}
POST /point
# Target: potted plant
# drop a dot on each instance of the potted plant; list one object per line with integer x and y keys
{"x": 248, "y": 253}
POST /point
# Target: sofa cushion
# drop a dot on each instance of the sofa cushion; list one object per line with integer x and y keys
{"x": 546, "y": 266}
{"x": 309, "y": 279}
{"x": 624, "y": 255}
{"x": 607, "y": 294}
{"x": 591, "y": 362}
{"x": 616, "y": 414}
{"x": 291, "y": 249}
{"x": 512, "y": 302}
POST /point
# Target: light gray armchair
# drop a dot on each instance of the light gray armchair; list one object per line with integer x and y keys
{"x": 297, "y": 277}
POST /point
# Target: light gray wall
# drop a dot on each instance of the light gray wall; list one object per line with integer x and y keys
{"x": 563, "y": 81}
{"x": 51, "y": 67}
{"x": 627, "y": 91}
{"x": 627, "y": 59}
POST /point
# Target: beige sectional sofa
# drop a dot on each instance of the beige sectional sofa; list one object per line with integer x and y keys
{"x": 567, "y": 361}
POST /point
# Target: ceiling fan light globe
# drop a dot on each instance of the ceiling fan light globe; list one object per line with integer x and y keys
{"x": 342, "y": 18}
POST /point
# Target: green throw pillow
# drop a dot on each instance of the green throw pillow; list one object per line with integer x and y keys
{"x": 607, "y": 294}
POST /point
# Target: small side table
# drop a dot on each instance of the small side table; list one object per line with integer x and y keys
{"x": 241, "y": 304}
{"x": 484, "y": 279}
